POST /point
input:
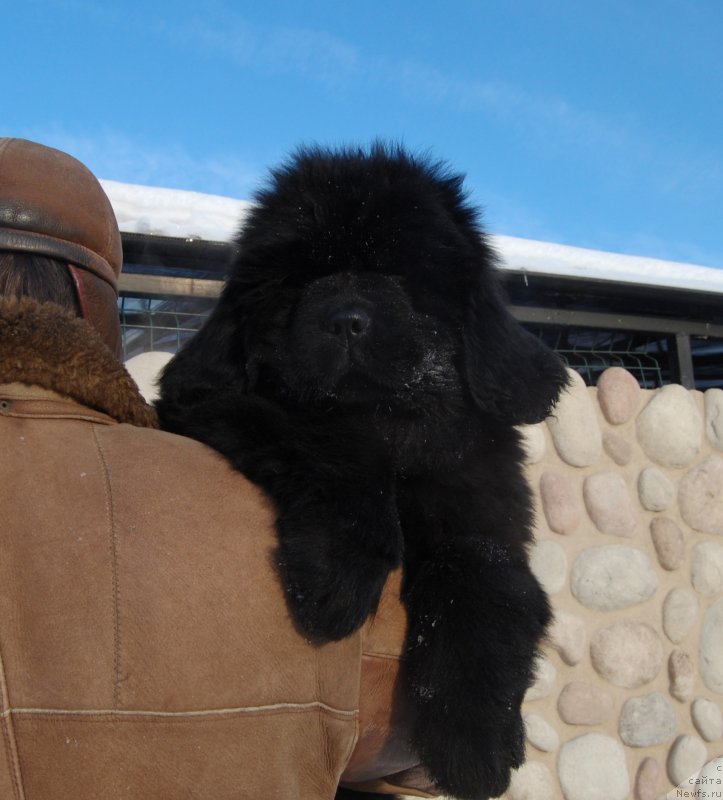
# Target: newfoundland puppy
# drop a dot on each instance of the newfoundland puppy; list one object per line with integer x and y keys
{"x": 361, "y": 367}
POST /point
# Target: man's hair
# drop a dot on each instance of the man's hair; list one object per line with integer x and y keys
{"x": 45, "y": 279}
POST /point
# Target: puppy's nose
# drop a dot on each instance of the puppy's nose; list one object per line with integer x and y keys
{"x": 349, "y": 323}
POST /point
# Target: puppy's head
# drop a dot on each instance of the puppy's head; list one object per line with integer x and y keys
{"x": 363, "y": 277}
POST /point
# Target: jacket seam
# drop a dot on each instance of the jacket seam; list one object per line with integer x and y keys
{"x": 355, "y": 737}
{"x": 11, "y": 745}
{"x": 134, "y": 715}
{"x": 115, "y": 582}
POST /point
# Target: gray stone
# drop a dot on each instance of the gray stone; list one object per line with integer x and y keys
{"x": 608, "y": 503}
{"x": 593, "y": 767}
{"x": 711, "y": 648}
{"x": 670, "y": 427}
{"x": 707, "y": 719}
{"x": 707, "y": 568}
{"x": 655, "y": 489}
{"x": 574, "y": 426}
{"x": 687, "y": 755}
{"x": 617, "y": 447}
{"x": 668, "y": 541}
{"x": 532, "y": 781}
{"x": 627, "y": 653}
{"x": 647, "y": 721}
{"x": 612, "y": 577}
{"x": 680, "y": 610}
{"x": 533, "y": 442}
{"x": 567, "y": 636}
{"x": 682, "y": 676}
{"x": 560, "y": 502}
{"x": 540, "y": 734}
{"x": 545, "y": 679}
{"x": 714, "y": 417}
{"x": 700, "y": 496}
{"x": 618, "y": 394}
{"x": 548, "y": 562}
{"x": 647, "y": 779}
{"x": 584, "y": 704}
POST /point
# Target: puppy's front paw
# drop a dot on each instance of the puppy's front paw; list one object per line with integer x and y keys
{"x": 331, "y": 597}
{"x": 329, "y": 607}
{"x": 473, "y": 764}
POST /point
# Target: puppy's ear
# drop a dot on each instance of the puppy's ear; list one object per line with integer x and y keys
{"x": 211, "y": 361}
{"x": 511, "y": 374}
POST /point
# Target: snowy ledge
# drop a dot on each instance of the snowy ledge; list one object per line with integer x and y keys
{"x": 193, "y": 215}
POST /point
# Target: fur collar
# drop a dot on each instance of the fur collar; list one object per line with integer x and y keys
{"x": 43, "y": 345}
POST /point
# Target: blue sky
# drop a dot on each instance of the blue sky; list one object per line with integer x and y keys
{"x": 597, "y": 124}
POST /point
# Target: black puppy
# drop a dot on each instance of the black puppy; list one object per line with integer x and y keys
{"x": 361, "y": 367}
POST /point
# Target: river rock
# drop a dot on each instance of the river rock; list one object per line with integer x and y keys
{"x": 560, "y": 502}
{"x": 655, "y": 489}
{"x": 593, "y": 767}
{"x": 541, "y": 734}
{"x": 670, "y": 427}
{"x": 533, "y": 442}
{"x": 618, "y": 394}
{"x": 682, "y": 676}
{"x": 714, "y": 417}
{"x": 647, "y": 721}
{"x": 627, "y": 653}
{"x": 608, "y": 503}
{"x": 567, "y": 636}
{"x": 548, "y": 562}
{"x": 687, "y": 755}
{"x": 668, "y": 541}
{"x": 680, "y": 610}
{"x": 711, "y": 648}
{"x": 700, "y": 496}
{"x": 707, "y": 568}
{"x": 545, "y": 679}
{"x": 584, "y": 704}
{"x": 612, "y": 577}
{"x": 647, "y": 780}
{"x": 707, "y": 719}
{"x": 532, "y": 781}
{"x": 617, "y": 447}
{"x": 574, "y": 425}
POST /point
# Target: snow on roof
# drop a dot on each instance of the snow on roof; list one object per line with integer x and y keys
{"x": 193, "y": 215}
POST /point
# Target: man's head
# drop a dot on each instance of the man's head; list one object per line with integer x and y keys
{"x": 59, "y": 239}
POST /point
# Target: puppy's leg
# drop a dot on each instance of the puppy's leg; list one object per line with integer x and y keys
{"x": 337, "y": 520}
{"x": 339, "y": 537}
{"x": 476, "y": 615}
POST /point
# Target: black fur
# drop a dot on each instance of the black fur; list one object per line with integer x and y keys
{"x": 362, "y": 368}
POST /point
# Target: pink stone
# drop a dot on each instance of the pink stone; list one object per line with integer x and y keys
{"x": 617, "y": 447}
{"x": 628, "y": 653}
{"x": 560, "y": 502}
{"x": 584, "y": 704}
{"x": 668, "y": 541}
{"x": 700, "y": 496}
{"x": 618, "y": 394}
{"x": 647, "y": 779}
{"x": 567, "y": 635}
{"x": 608, "y": 503}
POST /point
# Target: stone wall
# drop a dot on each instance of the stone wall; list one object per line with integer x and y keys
{"x": 629, "y": 492}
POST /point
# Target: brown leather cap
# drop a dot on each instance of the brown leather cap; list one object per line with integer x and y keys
{"x": 52, "y": 205}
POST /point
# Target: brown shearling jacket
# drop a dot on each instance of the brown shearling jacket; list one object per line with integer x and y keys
{"x": 145, "y": 646}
